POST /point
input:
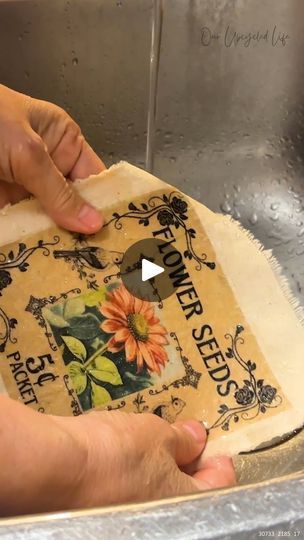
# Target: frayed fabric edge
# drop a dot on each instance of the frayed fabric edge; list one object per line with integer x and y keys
{"x": 275, "y": 266}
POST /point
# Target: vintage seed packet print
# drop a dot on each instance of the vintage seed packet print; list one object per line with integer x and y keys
{"x": 73, "y": 337}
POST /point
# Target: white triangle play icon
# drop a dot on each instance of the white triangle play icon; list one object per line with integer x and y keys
{"x": 150, "y": 270}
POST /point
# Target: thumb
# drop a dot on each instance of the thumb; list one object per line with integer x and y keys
{"x": 189, "y": 441}
{"x": 34, "y": 169}
{"x": 215, "y": 472}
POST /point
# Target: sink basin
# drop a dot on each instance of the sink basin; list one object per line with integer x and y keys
{"x": 227, "y": 129}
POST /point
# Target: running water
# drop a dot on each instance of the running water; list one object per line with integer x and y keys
{"x": 153, "y": 76}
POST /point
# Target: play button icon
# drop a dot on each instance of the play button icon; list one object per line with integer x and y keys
{"x": 150, "y": 270}
{"x": 143, "y": 273}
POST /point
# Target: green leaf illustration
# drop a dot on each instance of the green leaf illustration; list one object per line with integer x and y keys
{"x": 58, "y": 309}
{"x": 97, "y": 343}
{"x": 85, "y": 327}
{"x": 78, "y": 376}
{"x": 54, "y": 320}
{"x": 100, "y": 396}
{"x": 76, "y": 347}
{"x": 94, "y": 298}
{"x": 104, "y": 370}
{"x": 144, "y": 381}
{"x": 73, "y": 308}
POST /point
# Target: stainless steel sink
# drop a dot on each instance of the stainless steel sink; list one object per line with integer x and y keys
{"x": 228, "y": 129}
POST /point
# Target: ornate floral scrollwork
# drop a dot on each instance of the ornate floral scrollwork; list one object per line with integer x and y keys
{"x": 253, "y": 398}
{"x": 191, "y": 377}
{"x": 36, "y": 305}
{"x": 18, "y": 260}
{"x": 86, "y": 259}
{"x": 170, "y": 210}
{"x": 74, "y": 403}
{"x": 8, "y": 326}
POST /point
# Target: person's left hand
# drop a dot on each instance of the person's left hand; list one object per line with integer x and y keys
{"x": 41, "y": 147}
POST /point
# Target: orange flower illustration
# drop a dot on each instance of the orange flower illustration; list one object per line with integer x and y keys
{"x": 135, "y": 328}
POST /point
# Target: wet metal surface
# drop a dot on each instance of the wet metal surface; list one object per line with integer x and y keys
{"x": 241, "y": 514}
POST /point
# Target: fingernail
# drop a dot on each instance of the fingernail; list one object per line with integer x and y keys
{"x": 197, "y": 431}
{"x": 218, "y": 461}
{"x": 90, "y": 217}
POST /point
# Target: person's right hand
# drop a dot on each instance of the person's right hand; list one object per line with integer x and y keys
{"x": 52, "y": 463}
{"x": 140, "y": 457}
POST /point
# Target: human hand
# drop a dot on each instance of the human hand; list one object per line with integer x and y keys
{"x": 52, "y": 463}
{"x": 40, "y": 147}
{"x": 140, "y": 457}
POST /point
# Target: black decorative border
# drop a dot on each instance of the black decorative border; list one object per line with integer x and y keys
{"x": 254, "y": 398}
{"x": 86, "y": 259}
{"x": 168, "y": 410}
{"x": 9, "y": 325}
{"x": 140, "y": 404}
{"x": 81, "y": 239}
{"x": 191, "y": 377}
{"x": 134, "y": 267}
{"x": 89, "y": 277}
{"x": 78, "y": 264}
{"x": 170, "y": 210}
{"x": 117, "y": 406}
{"x": 19, "y": 260}
{"x": 74, "y": 403}
{"x": 36, "y": 305}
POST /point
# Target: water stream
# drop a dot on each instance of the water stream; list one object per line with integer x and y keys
{"x": 156, "y": 33}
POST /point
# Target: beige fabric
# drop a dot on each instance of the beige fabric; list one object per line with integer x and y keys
{"x": 244, "y": 289}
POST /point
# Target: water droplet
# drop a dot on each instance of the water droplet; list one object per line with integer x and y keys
{"x": 228, "y": 163}
{"x": 199, "y": 153}
{"x": 278, "y": 237}
{"x": 275, "y": 217}
{"x": 274, "y": 206}
{"x": 237, "y": 188}
{"x": 276, "y": 181}
{"x": 130, "y": 126}
{"x": 253, "y": 219}
{"x": 225, "y": 207}
{"x": 172, "y": 159}
{"x": 75, "y": 61}
{"x": 168, "y": 135}
{"x": 301, "y": 232}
